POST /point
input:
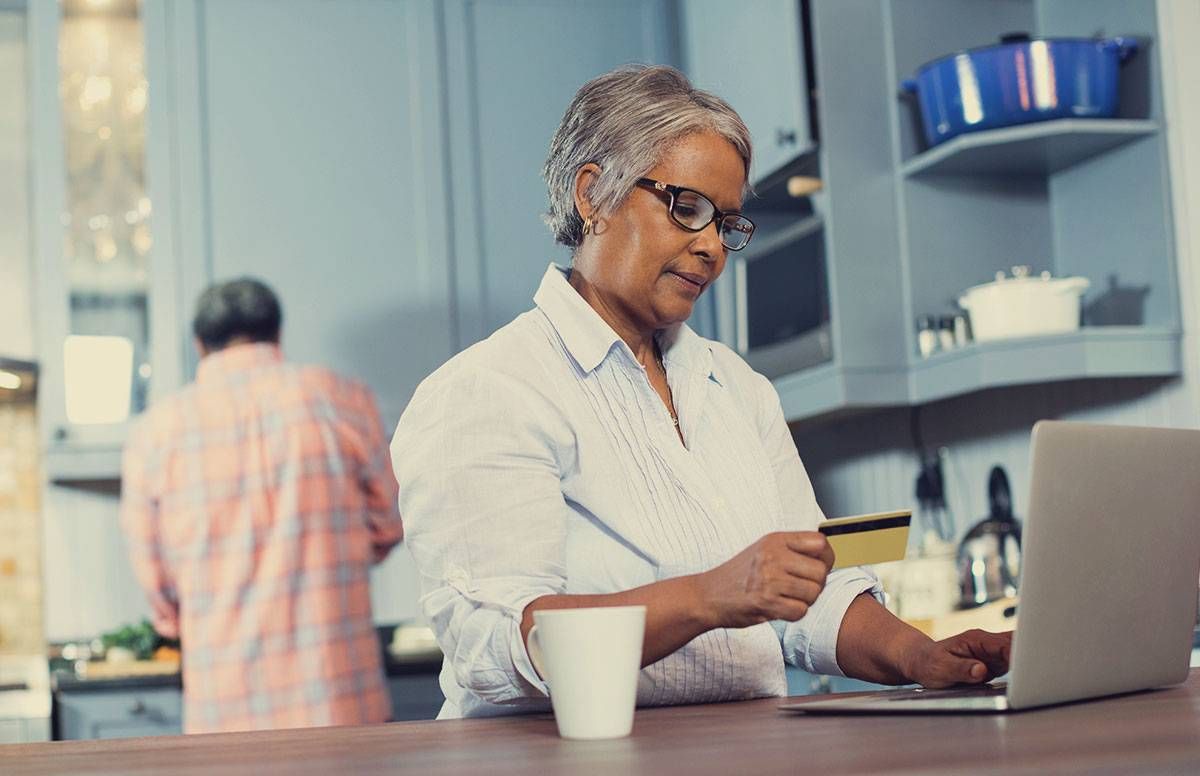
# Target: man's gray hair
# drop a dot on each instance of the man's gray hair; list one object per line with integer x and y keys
{"x": 624, "y": 121}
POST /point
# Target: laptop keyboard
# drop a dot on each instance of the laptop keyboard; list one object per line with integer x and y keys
{"x": 980, "y": 691}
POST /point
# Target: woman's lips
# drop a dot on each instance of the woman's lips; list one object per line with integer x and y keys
{"x": 689, "y": 280}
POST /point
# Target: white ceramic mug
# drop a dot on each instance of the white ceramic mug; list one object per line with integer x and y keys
{"x": 590, "y": 659}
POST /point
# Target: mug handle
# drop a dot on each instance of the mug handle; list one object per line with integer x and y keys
{"x": 533, "y": 648}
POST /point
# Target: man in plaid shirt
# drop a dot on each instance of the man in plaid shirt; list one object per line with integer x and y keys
{"x": 254, "y": 502}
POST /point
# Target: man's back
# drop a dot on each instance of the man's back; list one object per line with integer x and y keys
{"x": 255, "y": 501}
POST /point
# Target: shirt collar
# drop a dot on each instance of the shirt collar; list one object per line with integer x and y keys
{"x": 589, "y": 339}
{"x": 238, "y": 358}
{"x": 685, "y": 348}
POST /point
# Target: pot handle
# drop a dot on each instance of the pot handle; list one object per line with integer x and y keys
{"x": 1125, "y": 47}
{"x": 909, "y": 85}
{"x": 962, "y": 302}
{"x": 1074, "y": 285}
{"x": 1015, "y": 37}
{"x": 999, "y": 494}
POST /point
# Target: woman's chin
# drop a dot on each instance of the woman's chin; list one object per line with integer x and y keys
{"x": 675, "y": 311}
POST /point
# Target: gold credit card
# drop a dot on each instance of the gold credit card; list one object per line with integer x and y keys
{"x": 865, "y": 539}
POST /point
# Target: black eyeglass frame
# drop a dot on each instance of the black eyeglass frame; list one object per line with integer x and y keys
{"x": 718, "y": 216}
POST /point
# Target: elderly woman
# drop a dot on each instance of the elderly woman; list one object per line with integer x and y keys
{"x": 596, "y": 451}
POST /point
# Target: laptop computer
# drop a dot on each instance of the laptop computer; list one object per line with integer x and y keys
{"x": 1109, "y": 579}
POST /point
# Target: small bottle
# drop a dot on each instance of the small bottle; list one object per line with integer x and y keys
{"x": 927, "y": 336}
{"x": 962, "y": 333}
{"x": 946, "y": 332}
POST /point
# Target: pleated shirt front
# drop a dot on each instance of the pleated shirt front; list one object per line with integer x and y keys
{"x": 541, "y": 461}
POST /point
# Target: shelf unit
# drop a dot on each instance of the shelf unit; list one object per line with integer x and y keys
{"x": 1031, "y": 149}
{"x": 1102, "y": 351}
{"x": 909, "y": 228}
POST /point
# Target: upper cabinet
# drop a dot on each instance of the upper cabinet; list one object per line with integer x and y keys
{"x": 104, "y": 353}
{"x": 301, "y": 142}
{"x": 512, "y": 67}
{"x": 753, "y": 55}
{"x": 16, "y": 309}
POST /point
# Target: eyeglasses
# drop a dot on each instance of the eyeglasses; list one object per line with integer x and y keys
{"x": 694, "y": 212}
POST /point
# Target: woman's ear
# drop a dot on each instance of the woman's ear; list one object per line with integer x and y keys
{"x": 584, "y": 179}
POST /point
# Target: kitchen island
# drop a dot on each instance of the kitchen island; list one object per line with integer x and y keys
{"x": 1150, "y": 731}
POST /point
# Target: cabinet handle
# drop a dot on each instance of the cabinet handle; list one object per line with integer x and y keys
{"x": 785, "y": 136}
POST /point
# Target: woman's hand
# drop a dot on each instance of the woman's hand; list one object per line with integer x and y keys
{"x": 971, "y": 657}
{"x": 776, "y": 578}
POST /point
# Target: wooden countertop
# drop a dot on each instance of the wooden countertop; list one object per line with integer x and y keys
{"x": 1152, "y": 731}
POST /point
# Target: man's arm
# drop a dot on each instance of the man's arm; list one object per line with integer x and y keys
{"x": 140, "y": 522}
{"x": 379, "y": 485}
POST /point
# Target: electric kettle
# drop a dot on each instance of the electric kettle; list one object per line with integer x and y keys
{"x": 989, "y": 557}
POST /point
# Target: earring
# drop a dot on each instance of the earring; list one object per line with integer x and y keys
{"x": 587, "y": 224}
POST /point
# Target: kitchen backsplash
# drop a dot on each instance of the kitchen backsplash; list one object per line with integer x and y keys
{"x": 21, "y": 629}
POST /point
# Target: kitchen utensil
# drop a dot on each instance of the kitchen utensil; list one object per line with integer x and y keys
{"x": 989, "y": 557}
{"x": 1018, "y": 81}
{"x": 1023, "y": 306}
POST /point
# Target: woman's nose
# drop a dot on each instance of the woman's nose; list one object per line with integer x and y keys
{"x": 708, "y": 245}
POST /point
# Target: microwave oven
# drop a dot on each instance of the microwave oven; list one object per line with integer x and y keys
{"x": 774, "y": 310}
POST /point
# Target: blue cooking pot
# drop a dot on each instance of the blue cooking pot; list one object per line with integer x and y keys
{"x": 1019, "y": 81}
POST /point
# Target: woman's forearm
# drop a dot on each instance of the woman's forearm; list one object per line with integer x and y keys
{"x": 874, "y": 645}
{"x": 675, "y": 612}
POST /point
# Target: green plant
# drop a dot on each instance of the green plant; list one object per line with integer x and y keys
{"x": 141, "y": 639}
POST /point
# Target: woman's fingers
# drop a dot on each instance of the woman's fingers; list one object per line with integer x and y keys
{"x": 967, "y": 658}
{"x": 811, "y": 544}
{"x": 805, "y": 567}
{"x": 993, "y": 649}
{"x": 944, "y": 669}
{"x": 805, "y": 590}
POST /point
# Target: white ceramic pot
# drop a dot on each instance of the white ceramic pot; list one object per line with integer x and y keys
{"x": 1024, "y": 306}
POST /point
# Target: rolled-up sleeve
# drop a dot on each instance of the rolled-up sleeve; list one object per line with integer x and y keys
{"x": 811, "y": 642}
{"x": 476, "y": 458}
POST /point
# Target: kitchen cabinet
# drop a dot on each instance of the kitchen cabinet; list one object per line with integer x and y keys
{"x": 907, "y": 229}
{"x": 390, "y": 195}
{"x": 415, "y": 696}
{"x": 130, "y": 713}
{"x": 16, "y": 310}
{"x": 107, "y": 333}
{"x": 753, "y": 56}
{"x": 512, "y": 66}
{"x": 316, "y": 165}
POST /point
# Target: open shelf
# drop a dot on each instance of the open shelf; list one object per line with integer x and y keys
{"x": 1029, "y": 149}
{"x": 82, "y": 464}
{"x": 831, "y": 388}
{"x": 1096, "y": 352}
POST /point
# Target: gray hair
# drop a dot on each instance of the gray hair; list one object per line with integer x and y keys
{"x": 624, "y": 121}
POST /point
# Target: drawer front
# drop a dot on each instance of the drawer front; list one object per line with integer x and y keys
{"x": 120, "y": 714}
{"x": 415, "y": 697}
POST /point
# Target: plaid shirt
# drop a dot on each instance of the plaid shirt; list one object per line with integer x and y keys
{"x": 254, "y": 502}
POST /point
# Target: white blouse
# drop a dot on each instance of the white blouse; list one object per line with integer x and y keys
{"x": 541, "y": 461}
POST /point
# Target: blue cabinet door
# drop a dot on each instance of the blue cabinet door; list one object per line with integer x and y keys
{"x": 120, "y": 713}
{"x": 308, "y": 154}
{"x": 752, "y": 55}
{"x": 512, "y": 68}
